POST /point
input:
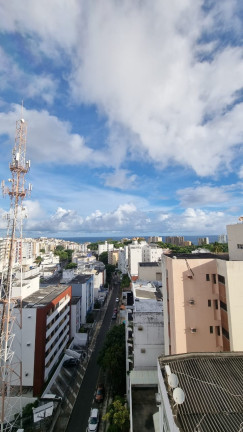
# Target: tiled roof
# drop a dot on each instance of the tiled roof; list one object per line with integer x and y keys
{"x": 213, "y": 387}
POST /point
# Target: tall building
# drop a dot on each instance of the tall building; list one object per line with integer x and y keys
{"x": 203, "y": 303}
{"x": 222, "y": 238}
{"x": 176, "y": 240}
{"x": 202, "y": 241}
{"x": 44, "y": 335}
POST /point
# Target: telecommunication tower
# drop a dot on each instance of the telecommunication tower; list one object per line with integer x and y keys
{"x": 10, "y": 306}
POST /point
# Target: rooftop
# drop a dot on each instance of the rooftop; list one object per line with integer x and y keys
{"x": 148, "y": 305}
{"x": 150, "y": 264}
{"x": 223, "y": 256}
{"x": 213, "y": 388}
{"x": 43, "y": 296}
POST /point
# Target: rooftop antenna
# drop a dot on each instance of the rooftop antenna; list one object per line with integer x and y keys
{"x": 10, "y": 306}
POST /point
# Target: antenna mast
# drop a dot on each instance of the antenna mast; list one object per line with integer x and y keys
{"x": 10, "y": 306}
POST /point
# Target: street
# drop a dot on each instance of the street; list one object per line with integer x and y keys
{"x": 81, "y": 411}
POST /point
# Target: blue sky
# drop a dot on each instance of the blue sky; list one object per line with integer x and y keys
{"x": 134, "y": 112}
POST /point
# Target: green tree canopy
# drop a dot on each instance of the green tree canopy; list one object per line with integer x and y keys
{"x": 118, "y": 416}
{"x": 103, "y": 257}
{"x": 112, "y": 358}
{"x": 71, "y": 265}
{"x": 125, "y": 282}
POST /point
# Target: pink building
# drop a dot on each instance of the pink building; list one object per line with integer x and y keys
{"x": 203, "y": 303}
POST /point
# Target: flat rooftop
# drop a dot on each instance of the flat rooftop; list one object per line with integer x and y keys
{"x": 150, "y": 264}
{"x": 149, "y": 305}
{"x": 223, "y": 256}
{"x": 213, "y": 388}
{"x": 43, "y": 296}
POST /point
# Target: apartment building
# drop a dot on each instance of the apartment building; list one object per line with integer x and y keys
{"x": 175, "y": 240}
{"x": 203, "y": 299}
{"x": 150, "y": 271}
{"x": 151, "y": 253}
{"x": 123, "y": 260}
{"x": 105, "y": 247}
{"x": 83, "y": 286}
{"x": 154, "y": 239}
{"x": 113, "y": 256}
{"x": 199, "y": 392}
{"x": 202, "y": 241}
{"x": 44, "y": 335}
{"x": 222, "y": 238}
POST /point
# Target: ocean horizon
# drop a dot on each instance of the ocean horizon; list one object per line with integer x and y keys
{"x": 193, "y": 239}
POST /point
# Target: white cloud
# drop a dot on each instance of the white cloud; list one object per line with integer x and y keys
{"x": 120, "y": 179}
{"x": 139, "y": 63}
{"x": 51, "y": 140}
{"x": 241, "y": 172}
{"x": 127, "y": 218}
{"x": 202, "y": 196}
{"x": 43, "y": 86}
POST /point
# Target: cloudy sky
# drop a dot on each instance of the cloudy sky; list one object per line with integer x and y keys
{"x": 134, "y": 111}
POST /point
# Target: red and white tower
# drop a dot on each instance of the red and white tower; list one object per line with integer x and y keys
{"x": 10, "y": 306}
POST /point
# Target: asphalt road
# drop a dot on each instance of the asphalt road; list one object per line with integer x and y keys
{"x": 79, "y": 418}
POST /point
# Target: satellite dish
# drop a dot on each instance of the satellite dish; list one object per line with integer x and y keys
{"x": 173, "y": 380}
{"x": 178, "y": 395}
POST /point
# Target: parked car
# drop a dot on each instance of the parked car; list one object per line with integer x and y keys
{"x": 115, "y": 310}
{"x": 70, "y": 362}
{"x": 100, "y": 393}
{"x": 114, "y": 316}
{"x": 93, "y": 420}
{"x": 117, "y": 300}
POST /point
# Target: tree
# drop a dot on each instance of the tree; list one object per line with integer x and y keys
{"x": 71, "y": 265}
{"x": 104, "y": 257}
{"x": 38, "y": 260}
{"x": 112, "y": 359}
{"x": 118, "y": 416}
{"x": 110, "y": 268}
{"x": 42, "y": 250}
{"x": 125, "y": 282}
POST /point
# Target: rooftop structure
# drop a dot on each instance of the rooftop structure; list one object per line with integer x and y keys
{"x": 212, "y": 385}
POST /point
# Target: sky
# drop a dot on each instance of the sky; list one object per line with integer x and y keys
{"x": 134, "y": 111}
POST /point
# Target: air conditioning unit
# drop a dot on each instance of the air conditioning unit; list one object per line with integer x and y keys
{"x": 143, "y": 350}
{"x": 140, "y": 328}
{"x": 193, "y": 330}
{"x": 28, "y": 344}
{"x": 191, "y": 301}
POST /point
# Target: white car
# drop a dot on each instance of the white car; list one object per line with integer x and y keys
{"x": 117, "y": 300}
{"x": 93, "y": 420}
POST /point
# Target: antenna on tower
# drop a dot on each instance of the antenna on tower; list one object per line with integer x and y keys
{"x": 10, "y": 306}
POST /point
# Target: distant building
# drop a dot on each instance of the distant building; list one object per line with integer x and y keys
{"x": 105, "y": 247}
{"x": 154, "y": 239}
{"x": 177, "y": 241}
{"x": 222, "y": 238}
{"x": 202, "y": 241}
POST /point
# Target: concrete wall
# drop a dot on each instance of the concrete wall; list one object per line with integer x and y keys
{"x": 235, "y": 241}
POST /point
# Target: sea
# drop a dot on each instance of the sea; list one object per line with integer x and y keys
{"x": 193, "y": 239}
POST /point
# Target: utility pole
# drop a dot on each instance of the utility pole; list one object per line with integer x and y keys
{"x": 10, "y": 305}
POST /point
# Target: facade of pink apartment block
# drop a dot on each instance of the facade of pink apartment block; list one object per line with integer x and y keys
{"x": 203, "y": 303}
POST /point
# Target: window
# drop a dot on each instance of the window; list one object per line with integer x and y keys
{"x": 221, "y": 279}
{"x": 240, "y": 246}
{"x": 216, "y": 304}
{"x": 218, "y": 330}
{"x": 207, "y": 277}
{"x": 214, "y": 278}
{"x": 223, "y": 305}
{"x": 211, "y": 329}
{"x": 209, "y": 303}
{"x": 225, "y": 333}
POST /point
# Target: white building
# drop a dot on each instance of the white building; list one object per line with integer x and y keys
{"x": 202, "y": 240}
{"x": 154, "y": 239}
{"x": 105, "y": 247}
{"x": 44, "y": 334}
{"x": 222, "y": 238}
{"x": 83, "y": 286}
{"x": 123, "y": 260}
